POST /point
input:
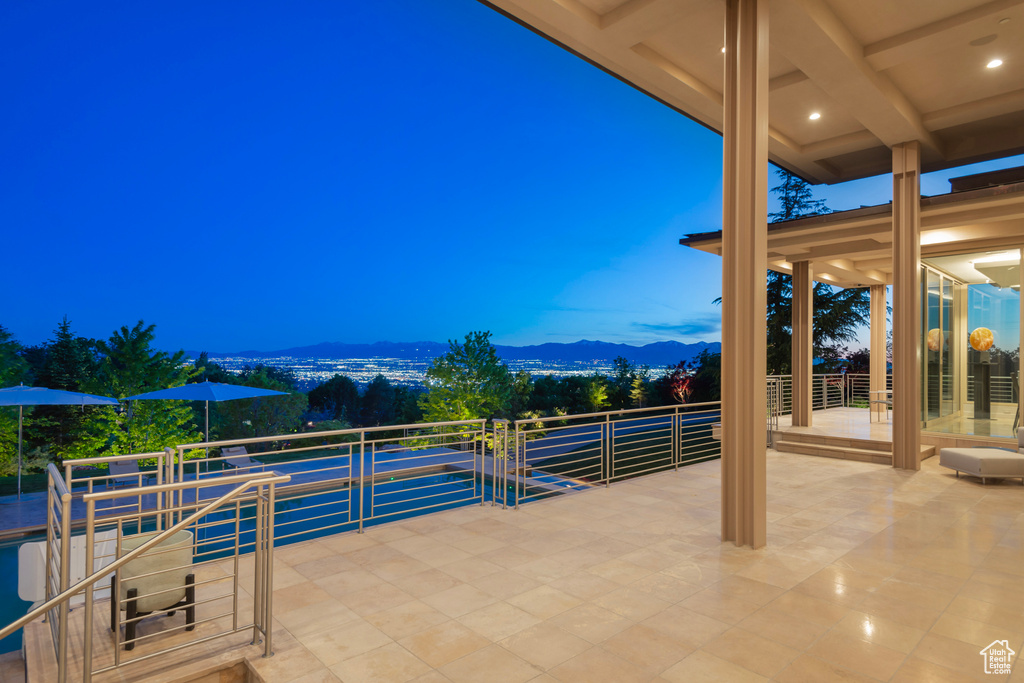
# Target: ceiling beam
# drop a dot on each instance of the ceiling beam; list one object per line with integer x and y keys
{"x": 985, "y": 108}
{"x": 815, "y": 40}
{"x": 936, "y": 36}
{"x": 786, "y": 80}
{"x": 842, "y": 144}
{"x": 634, "y": 21}
{"x": 845, "y": 269}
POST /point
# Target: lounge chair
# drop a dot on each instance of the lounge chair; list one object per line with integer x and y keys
{"x": 125, "y": 473}
{"x": 238, "y": 457}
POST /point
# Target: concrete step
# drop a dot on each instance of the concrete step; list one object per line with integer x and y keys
{"x": 833, "y": 441}
{"x": 878, "y": 452}
{"x": 841, "y": 452}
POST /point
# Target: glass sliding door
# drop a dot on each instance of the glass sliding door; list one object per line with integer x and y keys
{"x": 971, "y": 316}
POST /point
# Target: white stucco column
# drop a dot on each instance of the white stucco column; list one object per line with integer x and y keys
{"x": 744, "y": 239}
{"x": 877, "y": 377}
{"x": 802, "y": 324}
{"x": 906, "y": 306}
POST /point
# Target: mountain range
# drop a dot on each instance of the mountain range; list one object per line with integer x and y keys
{"x": 657, "y": 354}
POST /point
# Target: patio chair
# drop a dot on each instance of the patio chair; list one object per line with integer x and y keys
{"x": 238, "y": 457}
{"x": 125, "y": 473}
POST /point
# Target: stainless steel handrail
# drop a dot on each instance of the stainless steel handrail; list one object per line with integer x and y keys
{"x": 245, "y": 482}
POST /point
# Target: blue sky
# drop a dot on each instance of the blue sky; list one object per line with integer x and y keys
{"x": 260, "y": 175}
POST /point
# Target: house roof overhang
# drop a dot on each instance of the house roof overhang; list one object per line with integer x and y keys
{"x": 854, "y": 248}
{"x": 879, "y": 72}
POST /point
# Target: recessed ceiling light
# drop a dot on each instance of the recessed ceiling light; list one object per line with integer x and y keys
{"x": 1004, "y": 20}
{"x": 815, "y": 116}
{"x": 723, "y": 50}
{"x": 995, "y": 63}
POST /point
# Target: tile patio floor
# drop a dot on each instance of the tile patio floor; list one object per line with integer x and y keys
{"x": 870, "y": 574}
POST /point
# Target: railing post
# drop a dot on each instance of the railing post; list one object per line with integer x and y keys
{"x": 62, "y": 611}
{"x": 611, "y": 451}
{"x": 504, "y": 470}
{"x": 258, "y": 560}
{"x": 362, "y": 467}
{"x": 90, "y": 560}
{"x": 494, "y": 464}
{"x": 268, "y": 631}
{"x": 676, "y": 445}
{"x": 516, "y": 463}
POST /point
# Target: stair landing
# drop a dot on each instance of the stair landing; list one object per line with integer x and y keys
{"x": 842, "y": 447}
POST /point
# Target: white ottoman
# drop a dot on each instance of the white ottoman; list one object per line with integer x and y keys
{"x": 987, "y": 463}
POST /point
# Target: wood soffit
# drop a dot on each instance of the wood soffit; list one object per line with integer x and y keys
{"x": 879, "y": 72}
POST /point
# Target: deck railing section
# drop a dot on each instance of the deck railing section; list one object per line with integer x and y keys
{"x": 549, "y": 456}
{"x": 58, "y": 556}
{"x": 345, "y": 479}
{"x": 154, "y": 571}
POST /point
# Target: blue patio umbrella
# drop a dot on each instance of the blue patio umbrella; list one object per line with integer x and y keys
{"x": 206, "y": 391}
{"x": 22, "y": 396}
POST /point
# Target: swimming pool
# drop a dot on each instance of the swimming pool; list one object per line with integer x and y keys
{"x": 11, "y": 606}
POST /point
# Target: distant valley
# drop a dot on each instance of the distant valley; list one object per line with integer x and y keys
{"x": 407, "y": 362}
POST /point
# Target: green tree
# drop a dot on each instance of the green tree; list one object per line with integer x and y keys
{"x": 706, "y": 384}
{"x": 837, "y": 312}
{"x": 262, "y": 416}
{"x": 338, "y": 398}
{"x": 640, "y": 390}
{"x": 378, "y": 403}
{"x": 208, "y": 371}
{"x": 130, "y": 365}
{"x": 467, "y": 383}
{"x": 69, "y": 362}
{"x": 595, "y": 394}
{"x": 13, "y": 369}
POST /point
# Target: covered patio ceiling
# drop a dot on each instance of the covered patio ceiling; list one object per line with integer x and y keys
{"x": 854, "y": 248}
{"x": 878, "y": 72}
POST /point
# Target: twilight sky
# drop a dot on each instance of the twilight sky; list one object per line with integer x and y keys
{"x": 264, "y": 175}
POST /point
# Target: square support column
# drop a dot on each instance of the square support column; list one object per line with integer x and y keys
{"x": 879, "y": 362}
{"x": 744, "y": 240}
{"x": 802, "y": 324}
{"x": 906, "y": 306}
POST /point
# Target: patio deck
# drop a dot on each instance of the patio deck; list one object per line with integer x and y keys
{"x": 870, "y": 573}
{"x": 852, "y": 423}
{"x": 847, "y": 426}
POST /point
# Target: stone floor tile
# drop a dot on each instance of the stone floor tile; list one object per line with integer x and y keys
{"x": 493, "y": 664}
{"x": 873, "y": 629}
{"x": 438, "y": 645}
{"x": 866, "y": 658}
{"x": 388, "y": 664}
{"x": 590, "y": 622}
{"x": 807, "y": 669}
{"x": 751, "y": 651}
{"x": 597, "y": 665}
{"x": 340, "y": 644}
{"x": 647, "y": 648}
{"x": 703, "y": 667}
{"x": 545, "y": 645}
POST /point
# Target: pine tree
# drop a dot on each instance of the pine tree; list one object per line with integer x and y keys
{"x": 837, "y": 312}
{"x": 69, "y": 361}
{"x": 128, "y": 366}
{"x": 13, "y": 369}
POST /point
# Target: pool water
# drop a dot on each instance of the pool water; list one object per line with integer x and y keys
{"x": 11, "y": 606}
